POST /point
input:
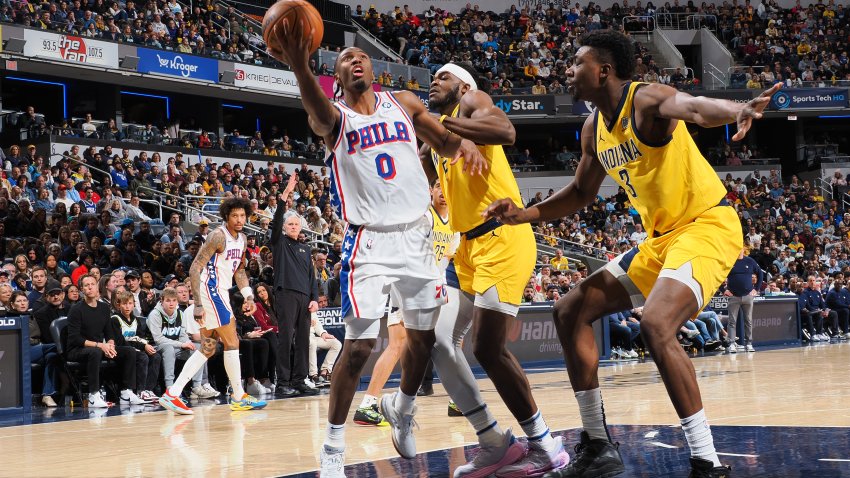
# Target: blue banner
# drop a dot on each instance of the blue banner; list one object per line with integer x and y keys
{"x": 809, "y": 98}
{"x": 177, "y": 64}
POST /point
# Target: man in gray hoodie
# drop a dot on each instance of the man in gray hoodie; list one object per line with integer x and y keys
{"x": 165, "y": 323}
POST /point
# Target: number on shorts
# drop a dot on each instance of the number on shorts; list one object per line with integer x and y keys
{"x": 386, "y": 166}
{"x": 624, "y": 175}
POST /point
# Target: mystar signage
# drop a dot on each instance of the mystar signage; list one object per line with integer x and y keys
{"x": 526, "y": 105}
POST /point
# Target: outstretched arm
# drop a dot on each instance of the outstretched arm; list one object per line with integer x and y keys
{"x": 571, "y": 198}
{"x": 663, "y": 101}
{"x": 480, "y": 121}
{"x": 441, "y": 140}
{"x": 277, "y": 222}
{"x": 214, "y": 244}
{"x": 295, "y": 52}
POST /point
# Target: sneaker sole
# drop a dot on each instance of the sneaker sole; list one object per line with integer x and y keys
{"x": 393, "y": 426}
{"x": 174, "y": 408}
{"x": 513, "y": 454}
{"x": 536, "y": 473}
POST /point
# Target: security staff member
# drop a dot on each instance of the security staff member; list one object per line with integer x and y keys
{"x": 741, "y": 290}
{"x": 296, "y": 293}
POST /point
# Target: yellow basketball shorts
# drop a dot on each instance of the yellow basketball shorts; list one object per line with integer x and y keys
{"x": 504, "y": 258}
{"x": 699, "y": 254}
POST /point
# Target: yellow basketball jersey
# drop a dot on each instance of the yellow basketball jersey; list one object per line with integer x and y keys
{"x": 469, "y": 195}
{"x": 669, "y": 183}
{"x": 443, "y": 237}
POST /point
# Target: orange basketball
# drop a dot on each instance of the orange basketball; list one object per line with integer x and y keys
{"x": 302, "y": 19}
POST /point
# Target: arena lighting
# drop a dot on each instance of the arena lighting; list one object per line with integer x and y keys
{"x": 15, "y": 45}
{"x": 42, "y": 82}
{"x": 834, "y": 116}
{"x": 235, "y": 107}
{"x": 727, "y": 134}
{"x": 146, "y": 95}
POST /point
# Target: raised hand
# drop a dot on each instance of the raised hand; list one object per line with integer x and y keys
{"x": 753, "y": 110}
{"x": 295, "y": 50}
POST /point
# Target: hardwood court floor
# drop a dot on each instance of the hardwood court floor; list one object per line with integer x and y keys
{"x": 789, "y": 387}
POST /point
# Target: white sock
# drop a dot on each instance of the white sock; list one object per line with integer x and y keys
{"x": 234, "y": 372}
{"x": 335, "y": 435}
{"x": 190, "y": 368}
{"x": 538, "y": 433}
{"x": 592, "y": 413}
{"x": 368, "y": 401}
{"x": 486, "y": 427}
{"x": 404, "y": 402}
{"x": 698, "y": 435}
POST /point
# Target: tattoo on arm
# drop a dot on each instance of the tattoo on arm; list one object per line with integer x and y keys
{"x": 240, "y": 277}
{"x": 214, "y": 244}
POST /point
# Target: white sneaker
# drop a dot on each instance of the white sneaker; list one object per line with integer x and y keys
{"x": 209, "y": 388}
{"x": 203, "y": 393}
{"x": 48, "y": 401}
{"x": 616, "y": 353}
{"x": 332, "y": 462}
{"x": 403, "y": 440}
{"x": 632, "y": 353}
{"x": 148, "y": 396}
{"x": 733, "y": 348}
{"x": 96, "y": 401}
{"x": 750, "y": 348}
{"x": 127, "y": 396}
{"x": 269, "y": 390}
{"x": 309, "y": 383}
{"x": 692, "y": 333}
{"x": 537, "y": 461}
{"x": 489, "y": 459}
{"x": 255, "y": 389}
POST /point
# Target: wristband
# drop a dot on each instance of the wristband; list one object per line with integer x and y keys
{"x": 247, "y": 293}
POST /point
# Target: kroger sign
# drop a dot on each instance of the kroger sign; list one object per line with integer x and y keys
{"x": 176, "y": 64}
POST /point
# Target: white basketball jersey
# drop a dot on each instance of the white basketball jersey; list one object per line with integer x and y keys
{"x": 376, "y": 176}
{"x": 218, "y": 273}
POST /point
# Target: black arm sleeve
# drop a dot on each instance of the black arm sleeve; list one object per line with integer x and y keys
{"x": 277, "y": 224}
{"x": 75, "y": 324}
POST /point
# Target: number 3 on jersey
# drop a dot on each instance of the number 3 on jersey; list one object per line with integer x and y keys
{"x": 624, "y": 175}
{"x": 386, "y": 166}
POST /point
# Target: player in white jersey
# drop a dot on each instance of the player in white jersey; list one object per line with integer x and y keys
{"x": 219, "y": 263}
{"x": 383, "y": 194}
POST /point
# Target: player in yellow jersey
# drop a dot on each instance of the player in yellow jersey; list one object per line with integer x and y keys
{"x": 493, "y": 263}
{"x": 638, "y": 136}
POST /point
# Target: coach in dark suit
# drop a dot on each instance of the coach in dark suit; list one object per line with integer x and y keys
{"x": 295, "y": 293}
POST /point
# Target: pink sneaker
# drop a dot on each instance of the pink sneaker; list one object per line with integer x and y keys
{"x": 536, "y": 462}
{"x": 488, "y": 459}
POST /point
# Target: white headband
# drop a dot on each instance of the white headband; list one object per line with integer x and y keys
{"x": 460, "y": 73}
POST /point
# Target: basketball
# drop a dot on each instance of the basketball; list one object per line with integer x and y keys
{"x": 303, "y": 18}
